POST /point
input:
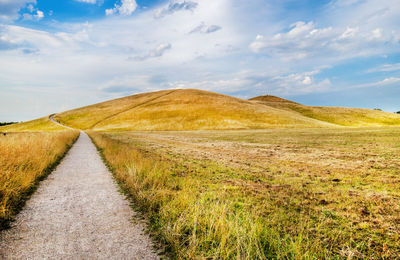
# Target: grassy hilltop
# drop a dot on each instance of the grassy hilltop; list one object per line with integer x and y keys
{"x": 189, "y": 109}
{"x": 182, "y": 110}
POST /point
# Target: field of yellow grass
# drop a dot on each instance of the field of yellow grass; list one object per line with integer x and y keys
{"x": 256, "y": 194}
{"x": 343, "y": 116}
{"x": 295, "y": 182}
{"x": 27, "y": 155}
{"x": 190, "y": 109}
{"x": 41, "y": 124}
{"x": 182, "y": 110}
{"x": 195, "y": 109}
{"x": 88, "y": 117}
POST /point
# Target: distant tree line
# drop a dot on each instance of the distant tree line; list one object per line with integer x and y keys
{"x": 398, "y": 112}
{"x": 7, "y": 123}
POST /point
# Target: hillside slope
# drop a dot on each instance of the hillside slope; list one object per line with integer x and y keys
{"x": 336, "y": 115}
{"x": 41, "y": 124}
{"x": 184, "y": 109}
{"x": 87, "y": 117}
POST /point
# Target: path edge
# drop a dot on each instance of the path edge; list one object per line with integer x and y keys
{"x": 25, "y": 196}
{"x": 161, "y": 249}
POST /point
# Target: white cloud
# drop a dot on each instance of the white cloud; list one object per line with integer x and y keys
{"x": 349, "y": 33}
{"x": 111, "y": 11}
{"x": 390, "y": 81}
{"x": 343, "y": 3}
{"x": 202, "y": 28}
{"x": 31, "y": 8}
{"x": 307, "y": 80}
{"x": 7, "y": 44}
{"x": 128, "y": 85}
{"x": 156, "y": 52}
{"x": 305, "y": 40}
{"x": 36, "y": 16}
{"x": 27, "y": 16}
{"x": 175, "y": 7}
{"x": 127, "y": 7}
{"x": 39, "y": 15}
{"x": 159, "y": 51}
{"x": 221, "y": 85}
{"x": 381, "y": 83}
{"x": 377, "y": 33}
{"x": 299, "y": 42}
{"x": 299, "y": 83}
{"x": 9, "y": 8}
{"x": 386, "y": 68}
{"x": 87, "y": 1}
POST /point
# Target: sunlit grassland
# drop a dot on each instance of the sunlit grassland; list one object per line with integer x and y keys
{"x": 87, "y": 117}
{"x": 186, "y": 109}
{"x": 195, "y": 109}
{"x": 192, "y": 109}
{"x": 343, "y": 116}
{"x": 283, "y": 193}
{"x": 27, "y": 155}
{"x": 41, "y": 124}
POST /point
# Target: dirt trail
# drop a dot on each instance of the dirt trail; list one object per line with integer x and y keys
{"x": 77, "y": 213}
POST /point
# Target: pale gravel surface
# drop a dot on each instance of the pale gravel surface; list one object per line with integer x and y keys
{"x": 77, "y": 213}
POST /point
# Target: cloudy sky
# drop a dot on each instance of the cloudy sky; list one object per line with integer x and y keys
{"x": 57, "y": 55}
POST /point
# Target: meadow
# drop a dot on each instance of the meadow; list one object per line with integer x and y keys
{"x": 192, "y": 109}
{"x": 256, "y": 194}
{"x": 342, "y": 116}
{"x": 295, "y": 182}
{"x": 37, "y": 125}
{"x": 26, "y": 157}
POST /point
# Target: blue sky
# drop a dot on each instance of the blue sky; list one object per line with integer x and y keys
{"x": 57, "y": 55}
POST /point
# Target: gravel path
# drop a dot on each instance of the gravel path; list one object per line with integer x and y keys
{"x": 77, "y": 213}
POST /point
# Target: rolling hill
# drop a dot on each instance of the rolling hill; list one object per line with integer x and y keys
{"x": 336, "y": 115}
{"x": 184, "y": 109}
{"x": 191, "y": 109}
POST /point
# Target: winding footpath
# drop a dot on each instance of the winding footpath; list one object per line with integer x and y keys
{"x": 77, "y": 213}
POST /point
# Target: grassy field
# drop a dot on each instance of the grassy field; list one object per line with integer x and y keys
{"x": 306, "y": 186}
{"x": 281, "y": 193}
{"x": 343, "y": 116}
{"x": 41, "y": 124}
{"x": 191, "y": 109}
{"x": 27, "y": 155}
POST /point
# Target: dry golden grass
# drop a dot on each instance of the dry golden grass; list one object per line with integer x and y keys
{"x": 182, "y": 110}
{"x": 189, "y": 109}
{"x": 25, "y": 158}
{"x": 41, "y": 124}
{"x": 273, "y": 99}
{"x": 343, "y": 116}
{"x": 87, "y": 117}
{"x": 195, "y": 109}
{"x": 256, "y": 194}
